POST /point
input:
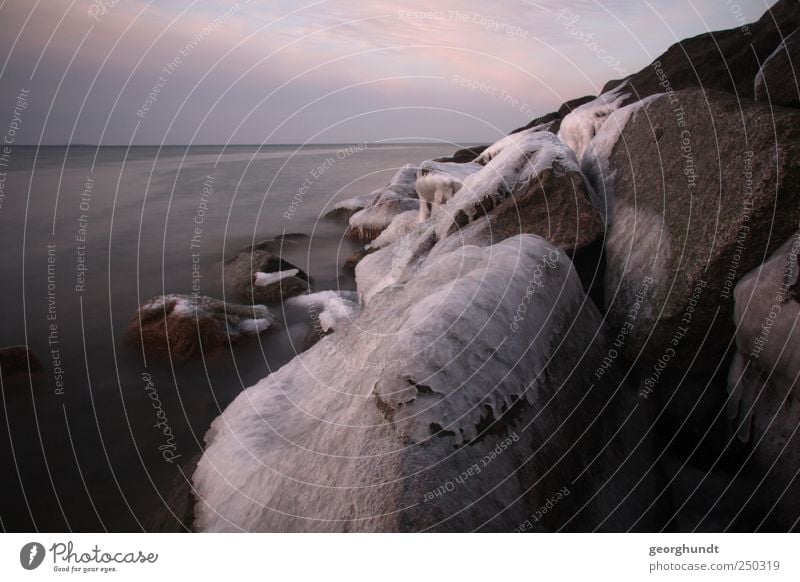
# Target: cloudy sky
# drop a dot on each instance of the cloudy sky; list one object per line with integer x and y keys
{"x": 329, "y": 71}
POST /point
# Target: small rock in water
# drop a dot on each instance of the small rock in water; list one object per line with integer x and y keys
{"x": 183, "y": 326}
{"x": 258, "y": 274}
{"x": 15, "y": 361}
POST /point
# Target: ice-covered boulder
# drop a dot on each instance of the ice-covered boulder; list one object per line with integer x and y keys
{"x": 399, "y": 196}
{"x": 399, "y": 227}
{"x": 258, "y": 274}
{"x": 764, "y": 408}
{"x": 438, "y": 182}
{"x": 776, "y": 80}
{"x": 705, "y": 187}
{"x": 509, "y": 165}
{"x": 529, "y": 183}
{"x": 461, "y": 400}
{"x": 185, "y": 326}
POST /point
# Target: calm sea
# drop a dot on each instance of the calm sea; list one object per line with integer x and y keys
{"x": 88, "y": 234}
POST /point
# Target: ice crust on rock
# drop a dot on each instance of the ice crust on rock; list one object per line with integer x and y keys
{"x": 264, "y": 279}
{"x": 395, "y": 198}
{"x": 510, "y": 164}
{"x": 333, "y": 308}
{"x": 351, "y": 425}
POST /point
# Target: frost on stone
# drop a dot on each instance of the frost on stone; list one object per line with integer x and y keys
{"x": 332, "y": 308}
{"x": 264, "y": 279}
{"x": 582, "y": 124}
{"x": 398, "y": 196}
{"x": 425, "y": 364}
{"x": 510, "y": 164}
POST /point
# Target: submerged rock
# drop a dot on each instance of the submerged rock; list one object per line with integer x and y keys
{"x": 764, "y": 408}
{"x": 258, "y": 274}
{"x": 776, "y": 80}
{"x": 184, "y": 326}
{"x": 18, "y": 361}
{"x": 425, "y": 414}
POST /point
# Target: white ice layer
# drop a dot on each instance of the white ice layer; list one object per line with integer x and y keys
{"x": 326, "y": 440}
{"x": 398, "y": 196}
{"x": 510, "y": 164}
{"x": 333, "y": 308}
{"x": 265, "y": 279}
{"x": 399, "y": 227}
{"x": 437, "y": 182}
{"x": 582, "y": 124}
{"x": 238, "y": 319}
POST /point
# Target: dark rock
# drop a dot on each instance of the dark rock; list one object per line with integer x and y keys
{"x": 726, "y": 60}
{"x": 183, "y": 327}
{"x": 699, "y": 200}
{"x": 777, "y": 79}
{"x": 553, "y": 120}
{"x": 464, "y": 155}
{"x": 18, "y": 361}
{"x": 241, "y": 274}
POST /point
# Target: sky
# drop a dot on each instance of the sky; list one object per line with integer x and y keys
{"x": 159, "y": 72}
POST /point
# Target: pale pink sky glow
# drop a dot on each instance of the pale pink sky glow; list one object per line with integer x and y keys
{"x": 236, "y": 71}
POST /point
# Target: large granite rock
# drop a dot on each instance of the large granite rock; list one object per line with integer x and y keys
{"x": 776, "y": 81}
{"x": 704, "y": 188}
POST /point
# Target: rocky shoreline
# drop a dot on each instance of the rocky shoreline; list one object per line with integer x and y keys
{"x": 600, "y": 306}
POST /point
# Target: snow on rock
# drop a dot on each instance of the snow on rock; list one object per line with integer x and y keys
{"x": 184, "y": 326}
{"x": 396, "y": 262}
{"x": 582, "y": 124}
{"x": 437, "y": 182}
{"x": 510, "y": 164}
{"x": 763, "y": 380}
{"x": 368, "y": 430}
{"x": 397, "y": 197}
{"x": 330, "y": 308}
{"x": 264, "y": 279}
